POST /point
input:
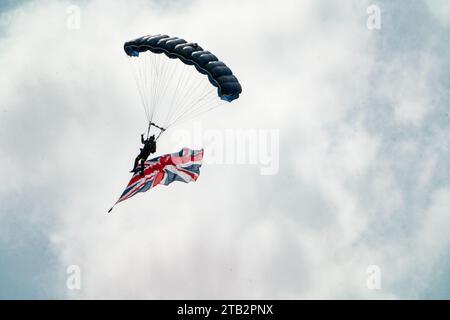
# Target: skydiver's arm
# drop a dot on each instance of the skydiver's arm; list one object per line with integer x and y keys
{"x": 142, "y": 139}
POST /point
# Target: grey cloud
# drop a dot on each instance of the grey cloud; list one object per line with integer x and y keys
{"x": 361, "y": 182}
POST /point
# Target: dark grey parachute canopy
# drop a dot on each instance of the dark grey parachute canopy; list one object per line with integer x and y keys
{"x": 220, "y": 76}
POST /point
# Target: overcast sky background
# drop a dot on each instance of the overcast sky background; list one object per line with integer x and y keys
{"x": 363, "y": 120}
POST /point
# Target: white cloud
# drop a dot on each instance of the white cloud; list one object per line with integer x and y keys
{"x": 343, "y": 199}
{"x": 441, "y": 10}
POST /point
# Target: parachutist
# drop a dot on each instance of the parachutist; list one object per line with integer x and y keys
{"x": 148, "y": 148}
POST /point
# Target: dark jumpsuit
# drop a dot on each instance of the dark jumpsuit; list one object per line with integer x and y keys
{"x": 148, "y": 148}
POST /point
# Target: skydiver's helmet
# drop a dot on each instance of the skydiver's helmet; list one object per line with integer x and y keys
{"x": 152, "y": 138}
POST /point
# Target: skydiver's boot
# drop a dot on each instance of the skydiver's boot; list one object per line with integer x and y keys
{"x": 135, "y": 165}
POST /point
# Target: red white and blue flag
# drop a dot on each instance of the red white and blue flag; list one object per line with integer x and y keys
{"x": 180, "y": 166}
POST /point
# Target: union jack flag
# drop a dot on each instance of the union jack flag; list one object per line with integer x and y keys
{"x": 180, "y": 166}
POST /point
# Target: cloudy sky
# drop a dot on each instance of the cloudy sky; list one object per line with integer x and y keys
{"x": 352, "y": 120}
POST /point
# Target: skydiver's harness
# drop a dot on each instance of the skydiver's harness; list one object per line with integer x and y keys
{"x": 161, "y": 130}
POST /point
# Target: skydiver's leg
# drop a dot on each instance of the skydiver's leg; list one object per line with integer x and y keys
{"x": 135, "y": 164}
{"x": 142, "y": 166}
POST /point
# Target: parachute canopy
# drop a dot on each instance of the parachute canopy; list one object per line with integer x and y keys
{"x": 173, "y": 85}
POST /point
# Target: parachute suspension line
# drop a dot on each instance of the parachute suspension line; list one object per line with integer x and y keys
{"x": 161, "y": 130}
{"x": 135, "y": 72}
{"x": 165, "y": 77}
{"x": 148, "y": 69}
{"x": 201, "y": 90}
{"x": 171, "y": 92}
{"x": 159, "y": 134}
{"x": 152, "y": 64}
{"x": 175, "y": 94}
{"x": 193, "y": 83}
{"x": 200, "y": 104}
{"x": 146, "y": 63}
{"x": 144, "y": 84}
{"x": 200, "y": 94}
{"x": 196, "y": 105}
{"x": 194, "y": 88}
{"x": 184, "y": 79}
{"x": 187, "y": 79}
{"x": 144, "y": 77}
{"x": 173, "y": 69}
{"x": 193, "y": 116}
{"x": 152, "y": 60}
{"x": 206, "y": 98}
{"x": 148, "y": 130}
{"x": 159, "y": 68}
{"x": 156, "y": 126}
{"x": 186, "y": 88}
{"x": 153, "y": 70}
{"x": 170, "y": 72}
{"x": 189, "y": 85}
{"x": 153, "y": 85}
